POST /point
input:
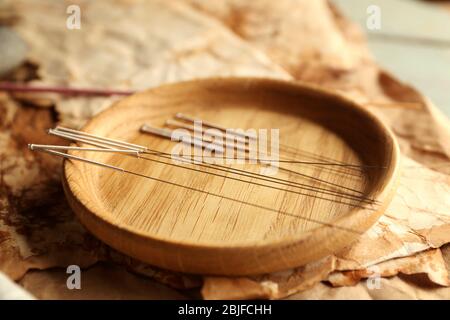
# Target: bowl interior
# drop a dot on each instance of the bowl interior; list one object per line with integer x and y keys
{"x": 345, "y": 156}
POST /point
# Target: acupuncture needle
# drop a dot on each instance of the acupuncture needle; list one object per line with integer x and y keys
{"x": 100, "y": 141}
{"x": 266, "y": 178}
{"x": 72, "y": 157}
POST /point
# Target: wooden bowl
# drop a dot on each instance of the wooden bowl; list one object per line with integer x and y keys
{"x": 253, "y": 229}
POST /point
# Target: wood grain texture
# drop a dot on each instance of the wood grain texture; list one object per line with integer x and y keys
{"x": 198, "y": 232}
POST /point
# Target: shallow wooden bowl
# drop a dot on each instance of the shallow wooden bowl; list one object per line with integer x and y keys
{"x": 265, "y": 229}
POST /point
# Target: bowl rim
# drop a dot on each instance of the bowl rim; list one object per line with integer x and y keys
{"x": 362, "y": 218}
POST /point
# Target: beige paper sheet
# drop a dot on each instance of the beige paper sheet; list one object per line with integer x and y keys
{"x": 195, "y": 39}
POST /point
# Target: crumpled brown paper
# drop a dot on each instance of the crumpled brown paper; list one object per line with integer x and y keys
{"x": 38, "y": 230}
{"x": 102, "y": 281}
{"x": 35, "y": 220}
{"x": 333, "y": 54}
{"x": 418, "y": 218}
{"x": 198, "y": 39}
{"x": 402, "y": 288}
{"x": 148, "y": 43}
{"x": 428, "y": 262}
{"x": 284, "y": 284}
{"x": 395, "y": 244}
{"x": 399, "y": 287}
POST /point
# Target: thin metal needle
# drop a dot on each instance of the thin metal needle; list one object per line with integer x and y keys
{"x": 53, "y": 147}
{"x": 99, "y": 141}
{"x": 178, "y": 124}
{"x": 72, "y": 157}
{"x": 182, "y": 116}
